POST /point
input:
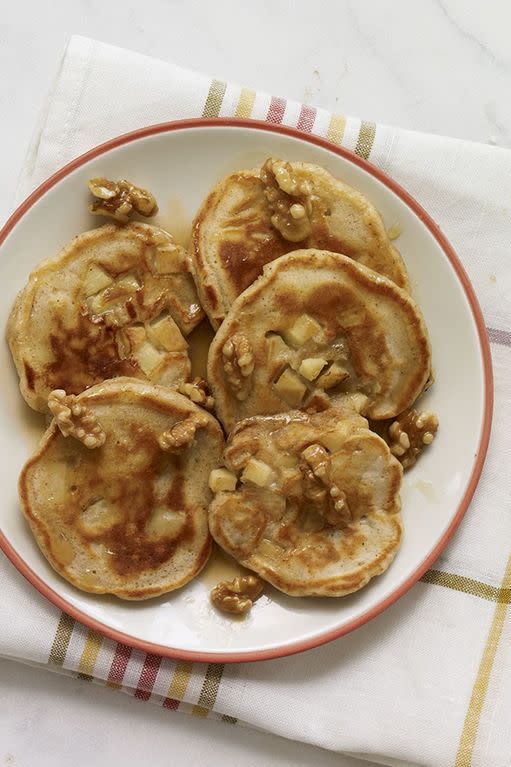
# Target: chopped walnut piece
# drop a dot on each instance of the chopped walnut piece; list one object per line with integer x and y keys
{"x": 182, "y": 434}
{"x": 410, "y": 433}
{"x": 75, "y": 420}
{"x": 198, "y": 391}
{"x": 288, "y": 199}
{"x": 238, "y": 360}
{"x": 237, "y": 596}
{"x": 312, "y": 487}
{"x": 119, "y": 199}
{"x": 297, "y": 211}
{"x": 317, "y": 458}
{"x": 336, "y": 511}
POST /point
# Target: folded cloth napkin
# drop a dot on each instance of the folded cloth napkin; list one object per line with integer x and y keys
{"x": 429, "y": 681}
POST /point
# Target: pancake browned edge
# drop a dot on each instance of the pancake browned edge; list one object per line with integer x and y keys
{"x": 254, "y": 216}
{"x": 115, "y": 301}
{"x": 316, "y": 325}
{"x": 128, "y": 514}
{"x": 309, "y": 502}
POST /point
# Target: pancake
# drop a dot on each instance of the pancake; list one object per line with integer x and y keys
{"x": 317, "y": 325}
{"x": 119, "y": 505}
{"x": 254, "y": 216}
{"x": 309, "y": 502}
{"x": 115, "y": 301}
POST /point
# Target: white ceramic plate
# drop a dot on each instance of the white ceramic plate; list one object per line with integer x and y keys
{"x": 180, "y": 163}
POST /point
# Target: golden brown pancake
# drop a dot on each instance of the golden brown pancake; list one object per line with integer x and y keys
{"x": 119, "y": 505}
{"x": 317, "y": 325}
{"x": 309, "y": 502}
{"x": 254, "y": 216}
{"x": 115, "y": 301}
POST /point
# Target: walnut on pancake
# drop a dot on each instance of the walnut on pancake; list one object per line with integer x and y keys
{"x": 75, "y": 420}
{"x": 309, "y": 502}
{"x": 316, "y": 326}
{"x": 306, "y": 493}
{"x": 116, "y": 301}
{"x": 182, "y": 434}
{"x": 198, "y": 391}
{"x": 130, "y": 516}
{"x": 253, "y": 217}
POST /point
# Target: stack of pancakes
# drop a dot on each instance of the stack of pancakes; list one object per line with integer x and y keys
{"x": 319, "y": 346}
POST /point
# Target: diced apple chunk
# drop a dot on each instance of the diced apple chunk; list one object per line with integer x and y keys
{"x": 97, "y": 518}
{"x": 277, "y": 458}
{"x": 148, "y": 357}
{"x": 269, "y": 550}
{"x": 168, "y": 259}
{"x": 258, "y": 472}
{"x": 222, "y": 481}
{"x": 333, "y": 376}
{"x": 95, "y": 280}
{"x": 303, "y": 329}
{"x": 291, "y": 481}
{"x": 335, "y": 439}
{"x": 358, "y": 401}
{"x": 127, "y": 284}
{"x": 166, "y": 334}
{"x": 60, "y": 491}
{"x": 286, "y": 460}
{"x": 136, "y": 336}
{"x": 165, "y": 523}
{"x": 97, "y": 303}
{"x": 276, "y": 346}
{"x": 111, "y": 293}
{"x": 290, "y": 388}
{"x": 311, "y": 367}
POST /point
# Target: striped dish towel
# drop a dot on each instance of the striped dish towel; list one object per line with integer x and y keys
{"x": 429, "y": 681}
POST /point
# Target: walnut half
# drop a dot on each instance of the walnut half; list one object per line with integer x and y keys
{"x": 182, "y": 434}
{"x": 238, "y": 361}
{"x": 237, "y": 596}
{"x": 75, "y": 420}
{"x": 334, "y": 507}
{"x": 288, "y": 199}
{"x": 119, "y": 199}
{"x": 198, "y": 391}
{"x": 410, "y": 433}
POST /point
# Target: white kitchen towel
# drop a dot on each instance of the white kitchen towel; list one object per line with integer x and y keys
{"x": 428, "y": 682}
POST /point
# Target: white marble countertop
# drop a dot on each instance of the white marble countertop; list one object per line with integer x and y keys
{"x": 432, "y": 65}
